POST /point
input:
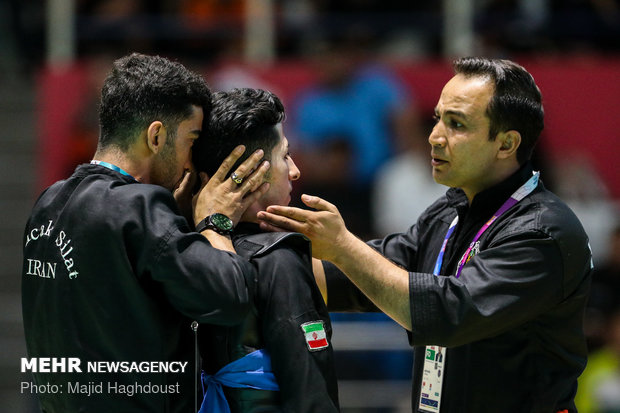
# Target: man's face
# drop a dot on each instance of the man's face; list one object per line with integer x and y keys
{"x": 281, "y": 174}
{"x": 175, "y": 157}
{"x": 462, "y": 154}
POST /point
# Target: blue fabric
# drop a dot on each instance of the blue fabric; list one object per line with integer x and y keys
{"x": 252, "y": 371}
{"x": 358, "y": 112}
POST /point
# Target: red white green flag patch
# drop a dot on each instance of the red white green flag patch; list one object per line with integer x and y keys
{"x": 315, "y": 335}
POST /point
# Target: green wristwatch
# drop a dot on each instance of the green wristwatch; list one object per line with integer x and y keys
{"x": 219, "y": 223}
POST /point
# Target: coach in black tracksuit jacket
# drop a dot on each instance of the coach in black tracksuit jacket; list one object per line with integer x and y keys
{"x": 512, "y": 321}
{"x": 492, "y": 280}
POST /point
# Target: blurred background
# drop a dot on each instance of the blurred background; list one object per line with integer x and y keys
{"x": 359, "y": 79}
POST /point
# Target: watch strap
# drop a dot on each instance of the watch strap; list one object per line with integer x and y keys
{"x": 202, "y": 225}
{"x": 206, "y": 223}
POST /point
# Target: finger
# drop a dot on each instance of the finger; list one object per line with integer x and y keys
{"x": 294, "y": 213}
{"x": 318, "y": 203}
{"x": 254, "y": 196}
{"x": 256, "y": 178}
{"x": 183, "y": 183}
{"x": 194, "y": 183}
{"x": 280, "y": 221}
{"x": 250, "y": 164}
{"x": 227, "y": 164}
{"x": 200, "y": 185}
{"x": 189, "y": 179}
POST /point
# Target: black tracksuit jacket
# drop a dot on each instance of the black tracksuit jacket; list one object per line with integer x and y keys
{"x": 286, "y": 297}
{"x": 513, "y": 321}
{"x": 112, "y": 272}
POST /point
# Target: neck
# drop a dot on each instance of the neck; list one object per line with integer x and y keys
{"x": 134, "y": 167}
{"x": 250, "y": 214}
{"x": 500, "y": 175}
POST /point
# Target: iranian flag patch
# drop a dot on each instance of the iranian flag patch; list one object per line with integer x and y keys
{"x": 315, "y": 335}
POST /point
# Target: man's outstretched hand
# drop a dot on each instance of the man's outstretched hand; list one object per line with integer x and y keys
{"x": 323, "y": 225}
{"x": 386, "y": 284}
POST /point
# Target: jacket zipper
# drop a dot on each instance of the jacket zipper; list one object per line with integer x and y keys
{"x": 194, "y": 328}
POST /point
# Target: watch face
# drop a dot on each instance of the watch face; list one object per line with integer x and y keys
{"x": 221, "y": 221}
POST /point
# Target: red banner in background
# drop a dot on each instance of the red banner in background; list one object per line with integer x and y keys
{"x": 581, "y": 98}
{"x": 61, "y": 93}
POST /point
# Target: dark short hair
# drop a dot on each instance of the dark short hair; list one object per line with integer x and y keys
{"x": 239, "y": 117}
{"x": 516, "y": 103}
{"x": 141, "y": 89}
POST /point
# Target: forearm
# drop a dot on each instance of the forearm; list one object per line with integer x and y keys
{"x": 383, "y": 282}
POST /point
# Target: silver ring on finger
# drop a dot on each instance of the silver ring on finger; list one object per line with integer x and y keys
{"x": 236, "y": 178}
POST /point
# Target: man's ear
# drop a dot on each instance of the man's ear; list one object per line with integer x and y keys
{"x": 509, "y": 143}
{"x": 156, "y": 136}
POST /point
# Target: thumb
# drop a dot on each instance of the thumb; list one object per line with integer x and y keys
{"x": 318, "y": 203}
{"x": 188, "y": 178}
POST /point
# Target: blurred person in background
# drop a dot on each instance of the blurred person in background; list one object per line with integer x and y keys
{"x": 495, "y": 274}
{"x": 605, "y": 295}
{"x": 349, "y": 122}
{"x": 124, "y": 25}
{"x": 288, "y": 333}
{"x": 393, "y": 207}
{"x": 584, "y": 25}
{"x": 578, "y": 183}
{"x": 112, "y": 271}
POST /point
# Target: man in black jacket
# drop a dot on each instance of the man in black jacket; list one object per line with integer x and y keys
{"x": 290, "y": 325}
{"x": 495, "y": 274}
{"x": 113, "y": 275}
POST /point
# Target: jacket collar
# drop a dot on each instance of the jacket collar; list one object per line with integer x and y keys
{"x": 246, "y": 228}
{"x": 86, "y": 169}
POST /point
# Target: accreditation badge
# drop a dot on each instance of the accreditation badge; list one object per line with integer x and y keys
{"x": 432, "y": 379}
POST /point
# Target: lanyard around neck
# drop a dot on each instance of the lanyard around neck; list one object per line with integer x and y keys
{"x": 517, "y": 196}
{"x": 112, "y": 167}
